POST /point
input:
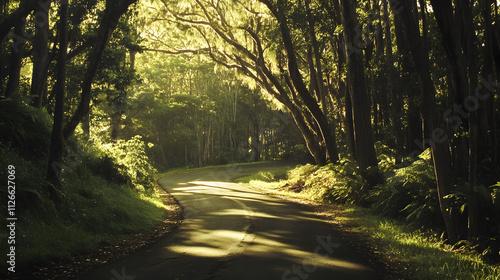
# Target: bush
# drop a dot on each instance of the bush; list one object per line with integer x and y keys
{"x": 130, "y": 160}
{"x": 331, "y": 183}
{"x": 97, "y": 203}
{"x": 410, "y": 194}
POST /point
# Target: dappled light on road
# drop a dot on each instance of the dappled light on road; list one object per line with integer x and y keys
{"x": 230, "y": 232}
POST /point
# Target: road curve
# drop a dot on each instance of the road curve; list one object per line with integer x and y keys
{"x": 233, "y": 233}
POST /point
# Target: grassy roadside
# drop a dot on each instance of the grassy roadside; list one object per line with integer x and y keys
{"x": 92, "y": 212}
{"x": 106, "y": 194}
{"x": 420, "y": 255}
{"x": 95, "y": 221}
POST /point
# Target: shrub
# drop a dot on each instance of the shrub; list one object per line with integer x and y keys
{"x": 346, "y": 185}
{"x": 331, "y": 183}
{"x": 131, "y": 160}
{"x": 410, "y": 194}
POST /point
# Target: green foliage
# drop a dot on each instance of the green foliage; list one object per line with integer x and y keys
{"x": 28, "y": 180}
{"x": 97, "y": 204}
{"x": 423, "y": 257}
{"x": 340, "y": 183}
{"x": 131, "y": 160}
{"x": 24, "y": 128}
{"x": 386, "y": 157}
{"x": 410, "y": 194}
{"x": 93, "y": 211}
{"x": 423, "y": 253}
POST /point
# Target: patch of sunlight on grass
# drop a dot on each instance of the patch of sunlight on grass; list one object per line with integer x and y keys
{"x": 426, "y": 259}
{"x": 153, "y": 199}
{"x": 270, "y": 175}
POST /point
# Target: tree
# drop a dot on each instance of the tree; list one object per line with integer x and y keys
{"x": 114, "y": 10}
{"x": 298, "y": 82}
{"x": 57, "y": 142}
{"x": 40, "y": 53}
{"x": 112, "y": 13}
{"x": 439, "y": 145}
{"x": 363, "y": 134}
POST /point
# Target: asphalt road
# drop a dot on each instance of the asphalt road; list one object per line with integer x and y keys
{"x": 231, "y": 232}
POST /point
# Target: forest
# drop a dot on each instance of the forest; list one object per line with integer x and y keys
{"x": 394, "y": 101}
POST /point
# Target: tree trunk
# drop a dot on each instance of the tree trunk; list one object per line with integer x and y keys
{"x": 414, "y": 133}
{"x": 396, "y": 98}
{"x": 57, "y": 143}
{"x": 300, "y": 119}
{"x": 16, "y": 58}
{"x": 40, "y": 54}
{"x": 439, "y": 147}
{"x": 298, "y": 82}
{"x": 317, "y": 59}
{"x": 363, "y": 134}
{"x": 349, "y": 127}
{"x": 455, "y": 23}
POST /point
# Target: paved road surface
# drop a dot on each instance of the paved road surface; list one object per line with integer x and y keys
{"x": 233, "y": 233}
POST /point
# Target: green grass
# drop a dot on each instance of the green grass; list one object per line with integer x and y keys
{"x": 92, "y": 212}
{"x": 423, "y": 255}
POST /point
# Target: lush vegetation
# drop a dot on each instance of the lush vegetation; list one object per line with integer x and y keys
{"x": 107, "y": 195}
{"x": 395, "y": 102}
{"x": 400, "y": 215}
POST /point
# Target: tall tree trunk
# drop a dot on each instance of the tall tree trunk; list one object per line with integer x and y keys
{"x": 456, "y": 25}
{"x": 409, "y": 87}
{"x": 363, "y": 134}
{"x": 40, "y": 53}
{"x": 299, "y": 117}
{"x": 114, "y": 10}
{"x": 16, "y": 58}
{"x": 439, "y": 147}
{"x": 298, "y": 82}
{"x": 322, "y": 92}
{"x": 349, "y": 126}
{"x": 57, "y": 143}
{"x": 396, "y": 98}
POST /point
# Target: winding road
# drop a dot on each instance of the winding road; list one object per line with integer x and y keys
{"x": 231, "y": 232}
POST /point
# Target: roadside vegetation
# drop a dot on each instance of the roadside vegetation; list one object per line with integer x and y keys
{"x": 396, "y": 207}
{"x": 106, "y": 196}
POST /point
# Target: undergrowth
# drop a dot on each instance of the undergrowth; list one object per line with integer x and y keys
{"x": 400, "y": 212}
{"x": 106, "y": 196}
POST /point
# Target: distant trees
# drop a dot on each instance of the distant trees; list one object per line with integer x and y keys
{"x": 194, "y": 119}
